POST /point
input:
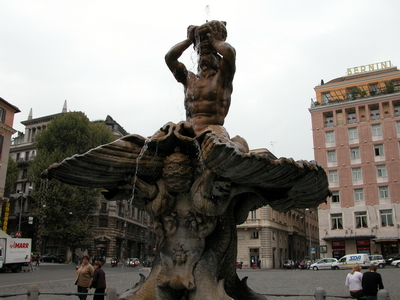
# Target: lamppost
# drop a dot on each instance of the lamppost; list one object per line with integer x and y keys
{"x": 20, "y": 213}
{"x": 309, "y": 230}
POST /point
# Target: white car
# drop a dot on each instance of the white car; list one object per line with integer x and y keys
{"x": 324, "y": 263}
{"x": 377, "y": 260}
{"x": 396, "y": 263}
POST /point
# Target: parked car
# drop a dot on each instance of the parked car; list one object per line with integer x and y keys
{"x": 377, "y": 260}
{"x": 324, "y": 263}
{"x": 287, "y": 264}
{"x": 396, "y": 263}
{"x": 132, "y": 262}
{"x": 114, "y": 262}
{"x": 391, "y": 257}
{"x": 52, "y": 258}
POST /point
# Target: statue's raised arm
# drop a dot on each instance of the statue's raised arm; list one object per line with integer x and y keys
{"x": 207, "y": 93}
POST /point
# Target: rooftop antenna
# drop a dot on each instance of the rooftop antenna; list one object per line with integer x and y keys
{"x": 272, "y": 145}
{"x": 207, "y": 12}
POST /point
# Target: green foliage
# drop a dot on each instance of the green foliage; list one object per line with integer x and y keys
{"x": 65, "y": 210}
{"x": 11, "y": 177}
{"x": 389, "y": 87}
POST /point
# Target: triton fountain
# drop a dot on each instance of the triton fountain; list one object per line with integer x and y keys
{"x": 196, "y": 181}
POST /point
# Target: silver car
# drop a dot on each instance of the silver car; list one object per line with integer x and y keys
{"x": 324, "y": 263}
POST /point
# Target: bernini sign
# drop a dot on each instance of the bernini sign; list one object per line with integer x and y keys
{"x": 369, "y": 68}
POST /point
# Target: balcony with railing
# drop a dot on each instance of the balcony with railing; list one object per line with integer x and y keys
{"x": 357, "y": 92}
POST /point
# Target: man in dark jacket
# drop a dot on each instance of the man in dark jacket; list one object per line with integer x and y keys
{"x": 99, "y": 281}
{"x": 371, "y": 283}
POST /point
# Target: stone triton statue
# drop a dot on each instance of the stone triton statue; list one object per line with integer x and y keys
{"x": 195, "y": 181}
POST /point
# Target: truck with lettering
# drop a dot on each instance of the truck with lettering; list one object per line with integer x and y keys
{"x": 15, "y": 253}
{"x": 349, "y": 260}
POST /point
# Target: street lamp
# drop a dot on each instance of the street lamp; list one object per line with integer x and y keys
{"x": 20, "y": 213}
{"x": 309, "y": 229}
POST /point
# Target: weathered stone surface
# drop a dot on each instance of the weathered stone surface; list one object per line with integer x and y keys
{"x": 196, "y": 181}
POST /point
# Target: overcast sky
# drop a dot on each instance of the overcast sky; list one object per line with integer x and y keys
{"x": 107, "y": 57}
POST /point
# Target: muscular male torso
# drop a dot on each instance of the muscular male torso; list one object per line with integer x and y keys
{"x": 207, "y": 100}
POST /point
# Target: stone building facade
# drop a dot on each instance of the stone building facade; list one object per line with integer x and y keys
{"x": 120, "y": 230}
{"x": 273, "y": 237}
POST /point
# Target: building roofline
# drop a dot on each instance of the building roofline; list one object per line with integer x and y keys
{"x": 16, "y": 109}
{"x": 345, "y": 80}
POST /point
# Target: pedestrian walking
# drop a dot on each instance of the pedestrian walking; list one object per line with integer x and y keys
{"x": 371, "y": 283}
{"x": 99, "y": 281}
{"x": 30, "y": 266}
{"x": 353, "y": 282}
{"x": 84, "y": 274}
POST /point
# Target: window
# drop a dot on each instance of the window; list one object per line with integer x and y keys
{"x": 351, "y": 118}
{"x": 353, "y": 133}
{"x": 326, "y": 97}
{"x": 329, "y": 122}
{"x": 374, "y": 114}
{"x": 357, "y": 174}
{"x": 398, "y": 127}
{"x": 354, "y": 153}
{"x": 330, "y": 137}
{"x": 2, "y": 114}
{"x": 337, "y": 221}
{"x": 254, "y": 235}
{"x": 333, "y": 176}
{"x": 103, "y": 207}
{"x": 335, "y": 197}
{"x": 1, "y": 143}
{"x": 383, "y": 192}
{"x": 387, "y": 217}
{"x": 361, "y": 219}
{"x": 332, "y": 156}
{"x": 373, "y": 89}
{"x": 103, "y": 222}
{"x": 381, "y": 171}
{"x": 358, "y": 194}
{"x": 376, "y": 130}
{"x": 253, "y": 214}
{"x": 378, "y": 150}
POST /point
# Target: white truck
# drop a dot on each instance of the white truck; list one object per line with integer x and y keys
{"x": 14, "y": 252}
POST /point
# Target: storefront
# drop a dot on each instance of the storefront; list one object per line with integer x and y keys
{"x": 388, "y": 245}
{"x": 338, "y": 249}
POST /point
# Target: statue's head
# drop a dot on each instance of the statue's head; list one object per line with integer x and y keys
{"x": 201, "y": 42}
{"x": 177, "y": 173}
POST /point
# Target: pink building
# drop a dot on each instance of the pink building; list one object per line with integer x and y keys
{"x": 356, "y": 131}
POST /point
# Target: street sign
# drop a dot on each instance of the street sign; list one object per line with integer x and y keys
{"x": 313, "y": 250}
{"x": 18, "y": 234}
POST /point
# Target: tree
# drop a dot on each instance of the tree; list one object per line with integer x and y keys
{"x": 64, "y": 211}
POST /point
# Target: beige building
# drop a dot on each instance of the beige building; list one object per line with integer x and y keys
{"x": 273, "y": 237}
{"x": 356, "y": 131}
{"x": 270, "y": 237}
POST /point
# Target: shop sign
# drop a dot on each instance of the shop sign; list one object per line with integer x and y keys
{"x": 369, "y": 68}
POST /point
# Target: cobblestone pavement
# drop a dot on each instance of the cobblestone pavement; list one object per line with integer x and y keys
{"x": 60, "y": 279}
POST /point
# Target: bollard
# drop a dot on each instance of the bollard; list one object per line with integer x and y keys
{"x": 382, "y": 295}
{"x": 111, "y": 293}
{"x": 33, "y": 292}
{"x": 320, "y": 293}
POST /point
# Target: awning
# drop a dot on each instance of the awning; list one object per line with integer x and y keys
{"x": 348, "y": 237}
{"x": 386, "y": 239}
